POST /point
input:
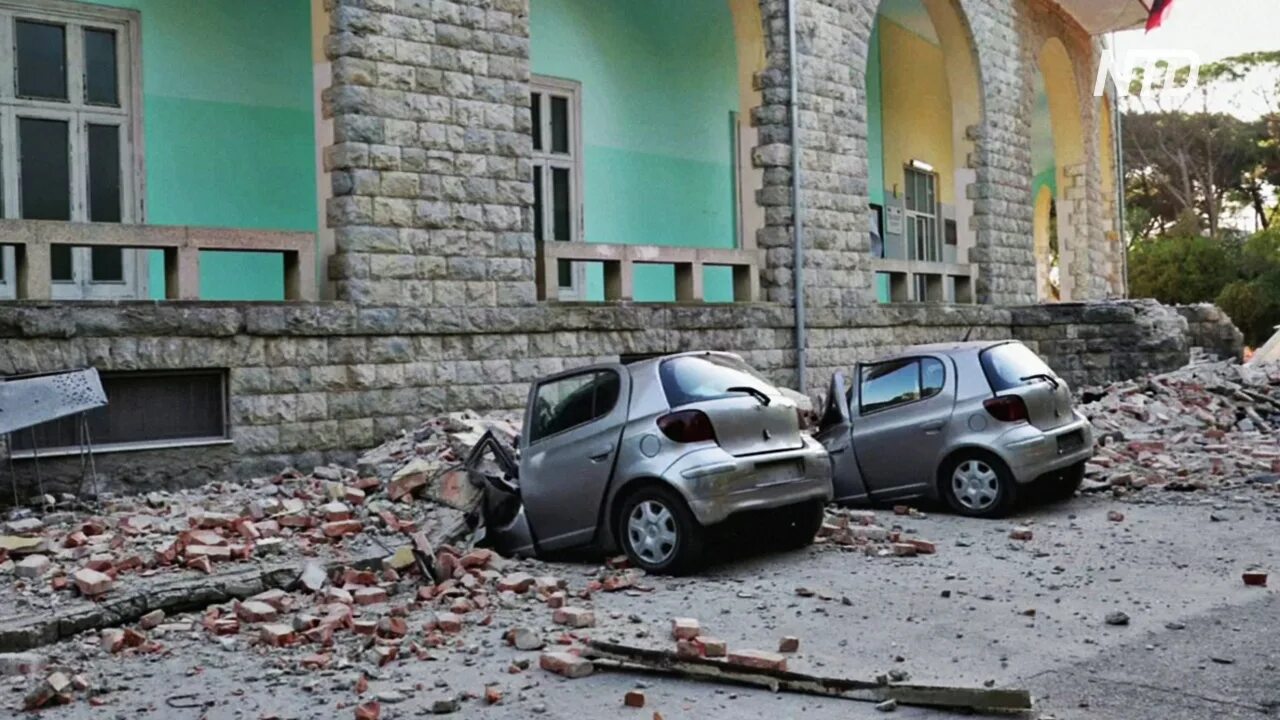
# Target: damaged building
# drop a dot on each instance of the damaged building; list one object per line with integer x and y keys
{"x": 283, "y": 232}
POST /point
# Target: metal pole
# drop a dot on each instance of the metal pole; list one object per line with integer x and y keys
{"x": 797, "y": 217}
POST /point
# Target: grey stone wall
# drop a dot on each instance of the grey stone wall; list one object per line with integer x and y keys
{"x": 311, "y": 383}
{"x": 1210, "y": 329}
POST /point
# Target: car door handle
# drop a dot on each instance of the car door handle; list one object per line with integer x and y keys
{"x": 601, "y": 454}
{"x": 932, "y": 427}
{"x": 838, "y": 451}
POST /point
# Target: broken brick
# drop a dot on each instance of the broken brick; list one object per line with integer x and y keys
{"x": 392, "y": 627}
{"x": 565, "y": 664}
{"x": 448, "y": 623}
{"x": 369, "y": 711}
{"x": 341, "y": 528}
{"x": 685, "y": 628}
{"x": 1115, "y": 516}
{"x": 903, "y": 549}
{"x": 574, "y": 617}
{"x": 789, "y": 644}
{"x": 255, "y": 611}
{"x": 711, "y": 647}
{"x": 1255, "y": 578}
{"x": 369, "y": 595}
{"x": 202, "y": 564}
{"x": 758, "y": 659}
{"x": 91, "y": 583}
{"x": 276, "y": 634}
{"x": 212, "y": 552}
{"x": 633, "y": 698}
{"x": 403, "y": 485}
{"x": 924, "y": 547}
{"x": 1020, "y": 533}
{"x": 517, "y": 583}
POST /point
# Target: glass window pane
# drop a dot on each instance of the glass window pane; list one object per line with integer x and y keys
{"x": 45, "y": 169}
{"x": 537, "y": 203}
{"x": 106, "y": 264}
{"x": 889, "y": 384}
{"x": 42, "y": 59}
{"x": 60, "y": 261}
{"x": 564, "y": 273}
{"x": 559, "y": 125}
{"x": 535, "y": 105}
{"x": 933, "y": 376}
{"x": 101, "y": 86}
{"x": 560, "y": 217}
{"x": 104, "y": 173}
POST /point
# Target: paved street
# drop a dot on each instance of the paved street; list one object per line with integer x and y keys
{"x": 984, "y": 608}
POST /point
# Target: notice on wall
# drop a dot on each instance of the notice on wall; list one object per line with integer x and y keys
{"x": 893, "y": 221}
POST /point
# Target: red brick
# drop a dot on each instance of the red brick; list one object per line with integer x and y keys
{"x": 213, "y": 552}
{"x": 351, "y": 576}
{"x": 225, "y": 626}
{"x": 689, "y": 648}
{"x": 278, "y": 599}
{"x": 369, "y": 596}
{"x": 492, "y": 695}
{"x": 758, "y": 659}
{"x": 336, "y": 595}
{"x": 336, "y": 510}
{"x": 340, "y": 528}
{"x": 565, "y": 664}
{"x": 91, "y": 583}
{"x": 1115, "y": 516}
{"x": 318, "y": 661}
{"x": 633, "y": 698}
{"x": 392, "y": 627}
{"x": 276, "y": 634}
{"x": 254, "y": 611}
{"x": 384, "y": 654}
{"x": 1020, "y": 533}
{"x": 711, "y": 647}
{"x": 789, "y": 644}
{"x": 112, "y": 640}
{"x": 574, "y": 617}
{"x": 202, "y": 564}
{"x": 208, "y": 520}
{"x": 516, "y": 583}
{"x": 353, "y": 495}
{"x": 405, "y": 485}
{"x": 556, "y": 600}
{"x": 369, "y": 711}
{"x": 476, "y": 558}
{"x": 203, "y": 537}
{"x": 903, "y": 549}
{"x": 448, "y": 622}
{"x": 296, "y": 520}
{"x": 1255, "y": 578}
{"x": 685, "y": 628}
{"x": 924, "y": 547}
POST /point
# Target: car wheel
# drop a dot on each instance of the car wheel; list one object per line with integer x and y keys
{"x": 658, "y": 532}
{"x": 978, "y": 484}
{"x": 800, "y": 524}
{"x": 1063, "y": 485}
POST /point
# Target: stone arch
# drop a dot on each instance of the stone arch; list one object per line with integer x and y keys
{"x": 926, "y": 57}
{"x": 1070, "y": 166}
{"x": 1112, "y": 223}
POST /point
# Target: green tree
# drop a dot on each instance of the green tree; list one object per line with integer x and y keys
{"x": 1182, "y": 269}
{"x": 1254, "y": 307}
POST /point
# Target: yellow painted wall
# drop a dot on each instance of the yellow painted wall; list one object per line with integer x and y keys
{"x": 916, "y": 106}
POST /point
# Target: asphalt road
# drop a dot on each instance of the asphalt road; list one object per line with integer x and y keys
{"x": 983, "y": 609}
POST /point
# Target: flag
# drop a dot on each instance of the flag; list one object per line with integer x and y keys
{"x": 1159, "y": 10}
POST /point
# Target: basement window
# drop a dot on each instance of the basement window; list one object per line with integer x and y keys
{"x": 145, "y": 410}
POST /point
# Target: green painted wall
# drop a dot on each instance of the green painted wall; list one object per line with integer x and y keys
{"x": 659, "y": 81}
{"x": 875, "y": 139}
{"x": 229, "y": 129}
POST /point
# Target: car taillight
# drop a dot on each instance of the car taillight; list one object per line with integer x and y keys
{"x": 687, "y": 426}
{"x": 1009, "y": 408}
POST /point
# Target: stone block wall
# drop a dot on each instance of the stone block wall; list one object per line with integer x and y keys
{"x": 310, "y": 383}
{"x": 1210, "y": 329}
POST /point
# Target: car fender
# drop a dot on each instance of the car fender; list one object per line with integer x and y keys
{"x": 970, "y": 440}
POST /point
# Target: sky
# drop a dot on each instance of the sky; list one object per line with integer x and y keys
{"x": 1214, "y": 29}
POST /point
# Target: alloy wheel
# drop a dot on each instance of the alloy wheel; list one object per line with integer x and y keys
{"x": 975, "y": 485}
{"x": 651, "y": 530}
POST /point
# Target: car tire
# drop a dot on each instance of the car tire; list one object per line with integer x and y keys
{"x": 658, "y": 532}
{"x": 978, "y": 484}
{"x": 800, "y": 524}
{"x": 1064, "y": 485}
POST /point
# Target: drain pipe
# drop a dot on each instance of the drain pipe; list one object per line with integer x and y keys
{"x": 797, "y": 221}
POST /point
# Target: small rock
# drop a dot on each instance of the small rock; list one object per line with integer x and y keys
{"x": 887, "y": 706}
{"x": 1117, "y": 617}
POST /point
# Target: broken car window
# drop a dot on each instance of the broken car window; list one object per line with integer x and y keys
{"x": 696, "y": 378}
{"x": 568, "y": 402}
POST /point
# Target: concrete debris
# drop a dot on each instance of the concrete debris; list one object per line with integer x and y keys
{"x": 1117, "y": 617}
{"x": 1204, "y": 426}
{"x": 860, "y": 530}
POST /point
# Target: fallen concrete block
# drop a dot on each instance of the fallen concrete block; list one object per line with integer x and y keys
{"x": 685, "y": 628}
{"x": 574, "y": 617}
{"x": 789, "y": 644}
{"x": 565, "y": 664}
{"x": 91, "y": 583}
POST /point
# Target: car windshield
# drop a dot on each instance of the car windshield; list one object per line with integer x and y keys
{"x": 1007, "y": 365}
{"x": 694, "y": 378}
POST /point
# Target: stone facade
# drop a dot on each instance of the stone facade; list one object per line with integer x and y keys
{"x": 1210, "y": 329}
{"x": 431, "y": 169}
{"x": 316, "y": 382}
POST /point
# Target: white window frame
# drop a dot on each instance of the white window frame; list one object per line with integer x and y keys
{"x": 571, "y": 90}
{"x": 79, "y": 114}
{"x": 926, "y": 247}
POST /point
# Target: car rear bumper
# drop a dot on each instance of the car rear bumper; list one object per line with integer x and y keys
{"x": 718, "y": 484}
{"x": 1033, "y": 452}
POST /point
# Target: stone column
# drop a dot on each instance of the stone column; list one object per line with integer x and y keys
{"x": 430, "y": 161}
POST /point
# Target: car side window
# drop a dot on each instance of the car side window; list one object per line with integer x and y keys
{"x": 571, "y": 401}
{"x": 887, "y": 384}
{"x": 933, "y": 375}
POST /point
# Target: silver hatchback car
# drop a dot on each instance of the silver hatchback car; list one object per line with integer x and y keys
{"x": 973, "y": 424}
{"x": 645, "y": 456}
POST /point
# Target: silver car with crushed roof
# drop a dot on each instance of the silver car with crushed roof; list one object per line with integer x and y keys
{"x": 974, "y": 424}
{"x": 646, "y": 456}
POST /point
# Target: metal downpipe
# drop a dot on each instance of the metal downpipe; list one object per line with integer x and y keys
{"x": 797, "y": 221}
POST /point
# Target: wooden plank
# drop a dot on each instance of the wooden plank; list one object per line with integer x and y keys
{"x": 626, "y": 658}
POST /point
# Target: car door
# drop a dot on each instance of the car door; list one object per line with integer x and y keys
{"x": 903, "y": 408}
{"x": 835, "y": 432}
{"x": 573, "y": 424}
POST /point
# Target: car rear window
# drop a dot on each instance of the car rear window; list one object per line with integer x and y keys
{"x": 695, "y": 378}
{"x": 1006, "y": 365}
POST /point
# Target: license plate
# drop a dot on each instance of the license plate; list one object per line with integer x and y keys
{"x": 1070, "y": 442}
{"x": 778, "y": 471}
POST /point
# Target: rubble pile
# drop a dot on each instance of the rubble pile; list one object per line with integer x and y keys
{"x": 858, "y": 530}
{"x": 1207, "y": 425}
{"x": 332, "y": 513}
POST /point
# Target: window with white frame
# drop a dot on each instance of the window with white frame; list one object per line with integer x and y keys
{"x": 556, "y": 108}
{"x": 70, "y": 127}
{"x": 922, "y": 215}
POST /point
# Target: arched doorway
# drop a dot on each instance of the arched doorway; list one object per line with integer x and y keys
{"x": 1058, "y": 164}
{"x": 923, "y": 93}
